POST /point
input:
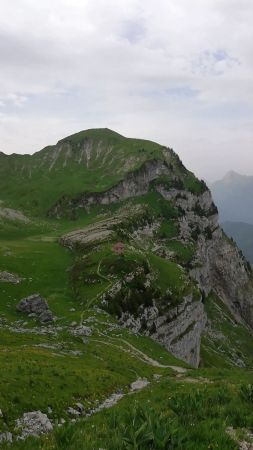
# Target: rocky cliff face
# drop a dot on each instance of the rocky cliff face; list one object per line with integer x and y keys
{"x": 133, "y": 185}
{"x": 179, "y": 330}
{"x": 217, "y": 264}
{"x": 223, "y": 269}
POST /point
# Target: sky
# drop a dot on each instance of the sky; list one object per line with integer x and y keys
{"x": 179, "y": 72}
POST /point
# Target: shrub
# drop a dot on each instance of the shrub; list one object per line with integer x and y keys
{"x": 147, "y": 429}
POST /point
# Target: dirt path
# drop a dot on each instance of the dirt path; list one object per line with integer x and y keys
{"x": 198, "y": 380}
{"x": 140, "y": 355}
{"x": 151, "y": 361}
{"x": 94, "y": 299}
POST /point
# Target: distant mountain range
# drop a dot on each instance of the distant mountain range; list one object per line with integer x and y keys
{"x": 233, "y": 196}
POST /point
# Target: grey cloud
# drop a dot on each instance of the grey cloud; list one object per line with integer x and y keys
{"x": 177, "y": 72}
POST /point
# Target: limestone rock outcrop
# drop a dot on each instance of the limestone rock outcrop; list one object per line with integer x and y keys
{"x": 33, "y": 424}
{"x": 37, "y": 306}
{"x": 7, "y": 277}
{"x": 134, "y": 184}
{"x": 179, "y": 330}
{"x": 217, "y": 264}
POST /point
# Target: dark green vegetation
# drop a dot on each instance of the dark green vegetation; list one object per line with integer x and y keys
{"x": 49, "y": 368}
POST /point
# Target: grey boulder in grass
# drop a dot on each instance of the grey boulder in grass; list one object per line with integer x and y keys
{"x": 82, "y": 331}
{"x": 5, "y": 437}
{"x": 33, "y": 424}
{"x": 7, "y": 277}
{"x": 36, "y": 305}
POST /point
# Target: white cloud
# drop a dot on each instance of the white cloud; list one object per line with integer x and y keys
{"x": 178, "y": 72}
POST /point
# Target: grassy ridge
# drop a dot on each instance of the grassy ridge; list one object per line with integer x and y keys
{"x": 89, "y": 161}
{"x": 92, "y": 160}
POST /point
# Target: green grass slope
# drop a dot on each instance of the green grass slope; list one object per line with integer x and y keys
{"x": 185, "y": 413}
{"x": 86, "y": 161}
{"x": 91, "y": 160}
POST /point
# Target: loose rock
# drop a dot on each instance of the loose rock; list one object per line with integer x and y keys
{"x": 81, "y": 331}
{"x": 35, "y": 304}
{"x": 5, "y": 437}
{"x": 6, "y": 277}
{"x": 80, "y": 407}
{"x": 34, "y": 423}
{"x": 73, "y": 412}
{"x": 139, "y": 384}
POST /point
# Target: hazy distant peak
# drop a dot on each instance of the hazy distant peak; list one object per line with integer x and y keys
{"x": 233, "y": 197}
{"x": 232, "y": 176}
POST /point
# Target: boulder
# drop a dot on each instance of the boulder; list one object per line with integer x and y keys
{"x": 5, "y": 437}
{"x": 46, "y": 316}
{"x": 80, "y": 407}
{"x": 81, "y": 331}
{"x": 34, "y": 423}
{"x": 7, "y": 277}
{"x": 37, "y": 305}
{"x": 73, "y": 411}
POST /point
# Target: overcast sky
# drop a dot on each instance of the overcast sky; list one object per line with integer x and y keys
{"x": 175, "y": 71}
